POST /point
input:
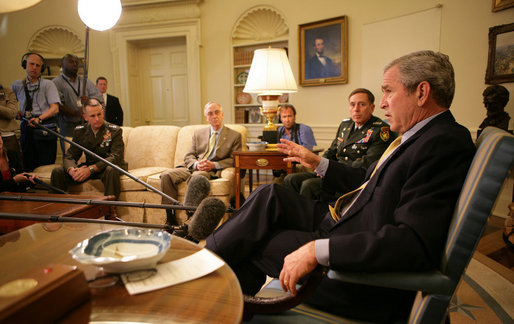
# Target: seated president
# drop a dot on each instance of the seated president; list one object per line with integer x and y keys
{"x": 210, "y": 153}
{"x": 100, "y": 137}
{"x": 397, "y": 222}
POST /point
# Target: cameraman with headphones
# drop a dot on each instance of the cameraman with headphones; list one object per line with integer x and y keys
{"x": 39, "y": 102}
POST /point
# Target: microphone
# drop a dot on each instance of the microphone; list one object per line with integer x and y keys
{"x": 198, "y": 188}
{"x": 206, "y": 218}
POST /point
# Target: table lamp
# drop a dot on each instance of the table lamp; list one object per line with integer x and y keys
{"x": 98, "y": 15}
{"x": 269, "y": 77}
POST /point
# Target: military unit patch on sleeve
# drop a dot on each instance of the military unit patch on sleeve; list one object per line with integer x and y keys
{"x": 384, "y": 134}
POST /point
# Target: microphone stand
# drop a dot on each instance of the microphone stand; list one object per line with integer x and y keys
{"x": 49, "y": 186}
{"x": 63, "y": 219}
{"x": 174, "y": 201}
{"x": 94, "y": 202}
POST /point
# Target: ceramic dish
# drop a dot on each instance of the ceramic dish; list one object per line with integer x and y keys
{"x": 241, "y": 77}
{"x": 123, "y": 250}
{"x": 243, "y": 98}
{"x": 256, "y": 146}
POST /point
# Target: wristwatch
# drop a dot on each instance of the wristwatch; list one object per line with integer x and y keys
{"x": 91, "y": 169}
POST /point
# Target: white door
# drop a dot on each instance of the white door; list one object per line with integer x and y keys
{"x": 162, "y": 78}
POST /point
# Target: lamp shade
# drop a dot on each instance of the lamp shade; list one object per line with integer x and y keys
{"x": 99, "y": 14}
{"x": 270, "y": 73}
{"x": 15, "y": 5}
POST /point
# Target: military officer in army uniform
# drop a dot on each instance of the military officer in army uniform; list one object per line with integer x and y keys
{"x": 360, "y": 140}
{"x": 100, "y": 137}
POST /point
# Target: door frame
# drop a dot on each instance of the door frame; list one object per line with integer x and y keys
{"x": 190, "y": 29}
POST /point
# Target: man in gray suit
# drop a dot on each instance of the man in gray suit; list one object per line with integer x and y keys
{"x": 210, "y": 152}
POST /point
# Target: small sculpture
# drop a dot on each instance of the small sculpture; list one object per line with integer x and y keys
{"x": 495, "y": 100}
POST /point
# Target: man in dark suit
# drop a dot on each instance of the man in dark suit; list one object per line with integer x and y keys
{"x": 397, "y": 222}
{"x": 210, "y": 153}
{"x": 319, "y": 65}
{"x": 113, "y": 110}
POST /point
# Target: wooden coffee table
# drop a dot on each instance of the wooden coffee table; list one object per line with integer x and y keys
{"x": 51, "y": 209}
{"x": 215, "y": 298}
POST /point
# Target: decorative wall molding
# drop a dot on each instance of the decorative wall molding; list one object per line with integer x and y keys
{"x": 158, "y": 11}
{"x": 260, "y": 24}
{"x": 56, "y": 41}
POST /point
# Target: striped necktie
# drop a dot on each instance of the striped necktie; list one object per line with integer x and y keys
{"x": 212, "y": 141}
{"x": 343, "y": 202}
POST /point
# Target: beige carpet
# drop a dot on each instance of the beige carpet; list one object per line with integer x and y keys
{"x": 486, "y": 295}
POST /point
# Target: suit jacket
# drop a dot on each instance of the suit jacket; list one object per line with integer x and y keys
{"x": 113, "y": 111}
{"x": 228, "y": 142}
{"x": 317, "y": 70}
{"x": 401, "y": 219}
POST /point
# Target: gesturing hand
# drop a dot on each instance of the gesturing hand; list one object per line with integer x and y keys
{"x": 298, "y": 153}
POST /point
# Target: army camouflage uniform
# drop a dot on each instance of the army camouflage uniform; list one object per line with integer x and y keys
{"x": 358, "y": 149}
{"x": 108, "y": 144}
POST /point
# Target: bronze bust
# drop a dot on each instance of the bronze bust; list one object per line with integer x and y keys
{"x": 495, "y": 100}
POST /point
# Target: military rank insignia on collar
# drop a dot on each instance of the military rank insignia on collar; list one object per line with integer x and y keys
{"x": 384, "y": 134}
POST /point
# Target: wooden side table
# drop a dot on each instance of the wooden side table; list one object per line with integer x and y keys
{"x": 258, "y": 160}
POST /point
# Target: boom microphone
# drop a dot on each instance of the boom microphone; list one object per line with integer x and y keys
{"x": 198, "y": 188}
{"x": 206, "y": 218}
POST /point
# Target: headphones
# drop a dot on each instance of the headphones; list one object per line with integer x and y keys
{"x": 24, "y": 61}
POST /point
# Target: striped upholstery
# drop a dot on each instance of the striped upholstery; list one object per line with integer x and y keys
{"x": 491, "y": 164}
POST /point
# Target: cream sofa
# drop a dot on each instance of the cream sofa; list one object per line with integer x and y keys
{"x": 149, "y": 150}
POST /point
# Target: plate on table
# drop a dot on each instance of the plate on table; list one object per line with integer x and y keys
{"x": 123, "y": 250}
{"x": 243, "y": 98}
{"x": 242, "y": 77}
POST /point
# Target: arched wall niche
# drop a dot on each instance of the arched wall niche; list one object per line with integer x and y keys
{"x": 55, "y": 41}
{"x": 260, "y": 24}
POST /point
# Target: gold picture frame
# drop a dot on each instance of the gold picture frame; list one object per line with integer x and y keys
{"x": 502, "y": 4}
{"x": 323, "y": 47}
{"x": 501, "y": 55}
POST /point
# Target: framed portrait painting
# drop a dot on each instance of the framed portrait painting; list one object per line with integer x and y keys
{"x": 500, "y": 63}
{"x": 323, "y": 47}
{"x": 502, "y": 4}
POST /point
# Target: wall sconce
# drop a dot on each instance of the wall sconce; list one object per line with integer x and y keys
{"x": 269, "y": 77}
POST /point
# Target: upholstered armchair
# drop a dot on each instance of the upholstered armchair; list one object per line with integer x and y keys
{"x": 493, "y": 161}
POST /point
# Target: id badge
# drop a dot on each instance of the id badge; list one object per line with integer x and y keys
{"x": 79, "y": 103}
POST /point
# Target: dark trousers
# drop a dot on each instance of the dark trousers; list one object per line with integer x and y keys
{"x": 275, "y": 221}
{"x": 36, "y": 152}
{"x": 11, "y": 144}
{"x": 110, "y": 178}
{"x": 309, "y": 185}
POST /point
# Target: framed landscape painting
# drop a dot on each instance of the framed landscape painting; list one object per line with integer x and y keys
{"x": 500, "y": 63}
